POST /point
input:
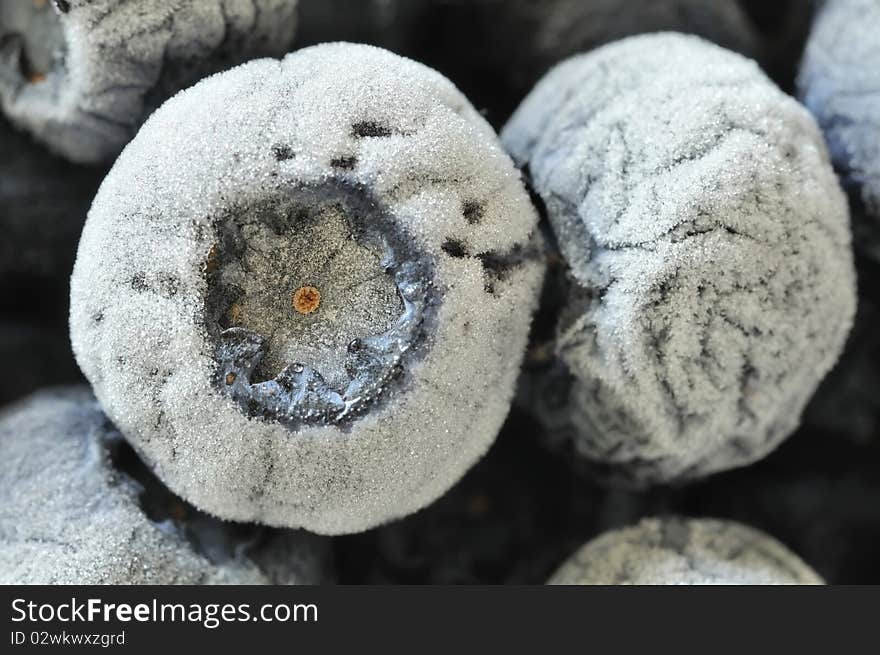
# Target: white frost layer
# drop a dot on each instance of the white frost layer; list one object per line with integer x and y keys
{"x": 122, "y": 57}
{"x": 839, "y": 82}
{"x": 215, "y": 146}
{"x": 68, "y": 517}
{"x": 675, "y": 551}
{"x": 709, "y": 248}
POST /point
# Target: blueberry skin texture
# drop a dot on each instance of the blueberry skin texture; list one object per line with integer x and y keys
{"x": 674, "y": 551}
{"x": 69, "y": 517}
{"x": 711, "y": 280}
{"x": 429, "y": 166}
{"x": 839, "y": 82}
{"x": 118, "y": 60}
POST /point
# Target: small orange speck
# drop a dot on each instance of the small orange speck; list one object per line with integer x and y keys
{"x": 230, "y": 378}
{"x": 306, "y": 300}
{"x": 36, "y": 78}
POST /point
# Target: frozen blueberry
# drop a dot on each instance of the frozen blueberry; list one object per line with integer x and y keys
{"x": 78, "y": 507}
{"x": 711, "y": 281}
{"x": 840, "y": 83}
{"x": 305, "y": 288}
{"x": 674, "y": 551}
{"x": 82, "y": 75}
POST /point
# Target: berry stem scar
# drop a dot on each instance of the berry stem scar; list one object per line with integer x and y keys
{"x": 306, "y": 299}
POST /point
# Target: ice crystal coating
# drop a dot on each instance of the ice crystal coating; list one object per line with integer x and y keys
{"x": 839, "y": 82}
{"x": 82, "y": 75}
{"x": 344, "y": 168}
{"x": 708, "y": 248}
{"x": 685, "y": 552}
{"x": 75, "y": 510}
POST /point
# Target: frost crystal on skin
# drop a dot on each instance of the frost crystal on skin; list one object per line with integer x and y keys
{"x": 840, "y": 83}
{"x": 675, "y": 551}
{"x": 346, "y": 169}
{"x": 81, "y": 75}
{"x": 72, "y": 513}
{"x": 708, "y": 246}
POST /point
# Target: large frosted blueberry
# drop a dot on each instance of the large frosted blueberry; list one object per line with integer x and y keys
{"x": 711, "y": 282}
{"x": 684, "y": 552}
{"x": 81, "y": 75}
{"x": 304, "y": 290}
{"x": 78, "y": 507}
{"x": 840, "y": 83}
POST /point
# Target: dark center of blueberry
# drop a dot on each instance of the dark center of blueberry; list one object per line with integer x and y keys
{"x": 317, "y": 304}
